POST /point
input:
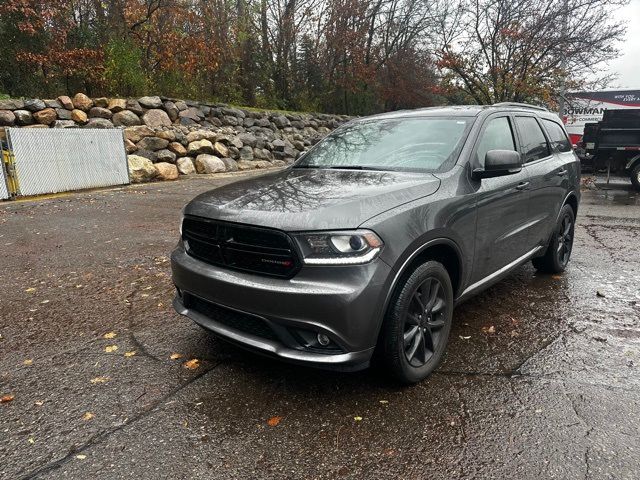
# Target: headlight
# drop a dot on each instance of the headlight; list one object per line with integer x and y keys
{"x": 339, "y": 248}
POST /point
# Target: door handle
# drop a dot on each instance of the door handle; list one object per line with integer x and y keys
{"x": 522, "y": 186}
{"x": 562, "y": 172}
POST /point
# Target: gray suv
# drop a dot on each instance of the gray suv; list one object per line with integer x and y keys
{"x": 371, "y": 238}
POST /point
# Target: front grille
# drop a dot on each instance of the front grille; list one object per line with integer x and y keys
{"x": 231, "y": 318}
{"x": 240, "y": 247}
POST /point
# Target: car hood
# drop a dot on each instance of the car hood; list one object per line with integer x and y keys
{"x": 312, "y": 199}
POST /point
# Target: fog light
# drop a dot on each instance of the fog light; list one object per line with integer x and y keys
{"x": 323, "y": 339}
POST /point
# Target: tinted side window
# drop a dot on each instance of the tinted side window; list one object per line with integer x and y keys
{"x": 496, "y": 136}
{"x": 534, "y": 144}
{"x": 557, "y": 136}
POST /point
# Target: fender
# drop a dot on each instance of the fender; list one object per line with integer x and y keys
{"x": 564, "y": 202}
{"x": 631, "y": 162}
{"x": 414, "y": 254}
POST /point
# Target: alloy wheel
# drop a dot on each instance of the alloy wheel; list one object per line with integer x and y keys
{"x": 424, "y": 320}
{"x": 565, "y": 240}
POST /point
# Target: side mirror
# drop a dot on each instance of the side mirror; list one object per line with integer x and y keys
{"x": 498, "y": 163}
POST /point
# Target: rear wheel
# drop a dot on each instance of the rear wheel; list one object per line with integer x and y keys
{"x": 635, "y": 176}
{"x": 558, "y": 252}
{"x": 416, "y": 327}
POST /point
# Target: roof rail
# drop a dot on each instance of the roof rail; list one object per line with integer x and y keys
{"x": 519, "y": 105}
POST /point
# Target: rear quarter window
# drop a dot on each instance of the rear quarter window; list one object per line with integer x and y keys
{"x": 557, "y": 136}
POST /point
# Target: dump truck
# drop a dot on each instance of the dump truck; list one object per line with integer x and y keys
{"x": 613, "y": 144}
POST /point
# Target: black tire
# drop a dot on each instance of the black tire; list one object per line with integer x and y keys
{"x": 427, "y": 332}
{"x": 558, "y": 253}
{"x": 635, "y": 176}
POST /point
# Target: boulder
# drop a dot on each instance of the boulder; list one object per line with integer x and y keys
{"x": 82, "y": 102}
{"x": 229, "y": 120}
{"x": 263, "y": 122}
{"x": 178, "y": 149}
{"x": 117, "y": 105}
{"x": 23, "y": 117}
{"x": 201, "y": 135}
{"x": 129, "y": 146}
{"x": 185, "y": 166}
{"x": 180, "y": 105}
{"x": 46, "y": 116}
{"x": 192, "y": 113}
{"x": 246, "y": 153}
{"x": 278, "y": 145}
{"x": 135, "y": 107}
{"x": 166, "y": 171}
{"x": 65, "y": 102}
{"x": 126, "y": 118}
{"x": 166, "y": 156}
{"x": 79, "y": 116}
{"x": 171, "y": 110}
{"x": 147, "y": 154}
{"x": 230, "y": 164}
{"x": 11, "y": 104}
{"x": 169, "y": 135}
{"x": 234, "y": 112}
{"x": 101, "y": 102}
{"x": 200, "y": 146}
{"x": 248, "y": 139}
{"x": 187, "y": 122}
{"x": 281, "y": 121}
{"x": 152, "y": 143}
{"x": 100, "y": 112}
{"x": 53, "y": 104}
{"x": 244, "y": 165}
{"x": 278, "y": 163}
{"x": 34, "y": 104}
{"x": 150, "y": 102}
{"x": 7, "y": 118}
{"x": 64, "y": 114}
{"x": 99, "y": 123}
{"x": 209, "y": 164}
{"x": 220, "y": 149}
{"x": 141, "y": 169}
{"x": 156, "y": 118}
{"x": 64, "y": 124}
{"x": 135, "y": 134}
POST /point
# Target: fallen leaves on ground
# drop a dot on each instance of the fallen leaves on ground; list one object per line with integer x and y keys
{"x": 30, "y": 290}
{"x": 81, "y": 457}
{"x": 600, "y": 294}
{"x": 175, "y": 356}
{"x": 130, "y": 354}
{"x": 274, "y": 421}
{"x": 110, "y": 335}
{"x": 110, "y": 348}
{"x": 28, "y": 362}
{"x": 87, "y": 416}
{"x": 31, "y": 440}
{"x": 7, "y": 398}
{"x": 357, "y": 419}
{"x": 489, "y": 329}
{"x": 384, "y": 402}
{"x": 556, "y": 277}
{"x": 39, "y": 403}
{"x": 191, "y": 364}
{"x": 465, "y": 338}
{"x": 100, "y": 380}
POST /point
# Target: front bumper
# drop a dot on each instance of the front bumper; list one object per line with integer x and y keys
{"x": 343, "y": 302}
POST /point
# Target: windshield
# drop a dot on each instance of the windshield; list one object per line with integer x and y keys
{"x": 409, "y": 143}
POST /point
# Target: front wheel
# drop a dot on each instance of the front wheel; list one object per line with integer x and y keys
{"x": 635, "y": 176}
{"x": 417, "y": 325}
{"x": 558, "y": 252}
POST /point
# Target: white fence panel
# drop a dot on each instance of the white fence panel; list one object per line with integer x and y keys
{"x": 59, "y": 160}
{"x": 4, "y": 193}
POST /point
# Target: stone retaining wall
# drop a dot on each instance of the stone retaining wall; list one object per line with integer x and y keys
{"x": 165, "y": 138}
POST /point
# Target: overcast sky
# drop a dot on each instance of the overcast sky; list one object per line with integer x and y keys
{"x": 627, "y": 66}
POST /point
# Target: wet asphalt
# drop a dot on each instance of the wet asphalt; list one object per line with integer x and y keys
{"x": 541, "y": 378}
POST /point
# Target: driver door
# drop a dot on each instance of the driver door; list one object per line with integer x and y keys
{"x": 502, "y": 228}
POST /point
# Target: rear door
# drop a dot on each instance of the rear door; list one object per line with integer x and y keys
{"x": 546, "y": 173}
{"x": 502, "y": 234}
